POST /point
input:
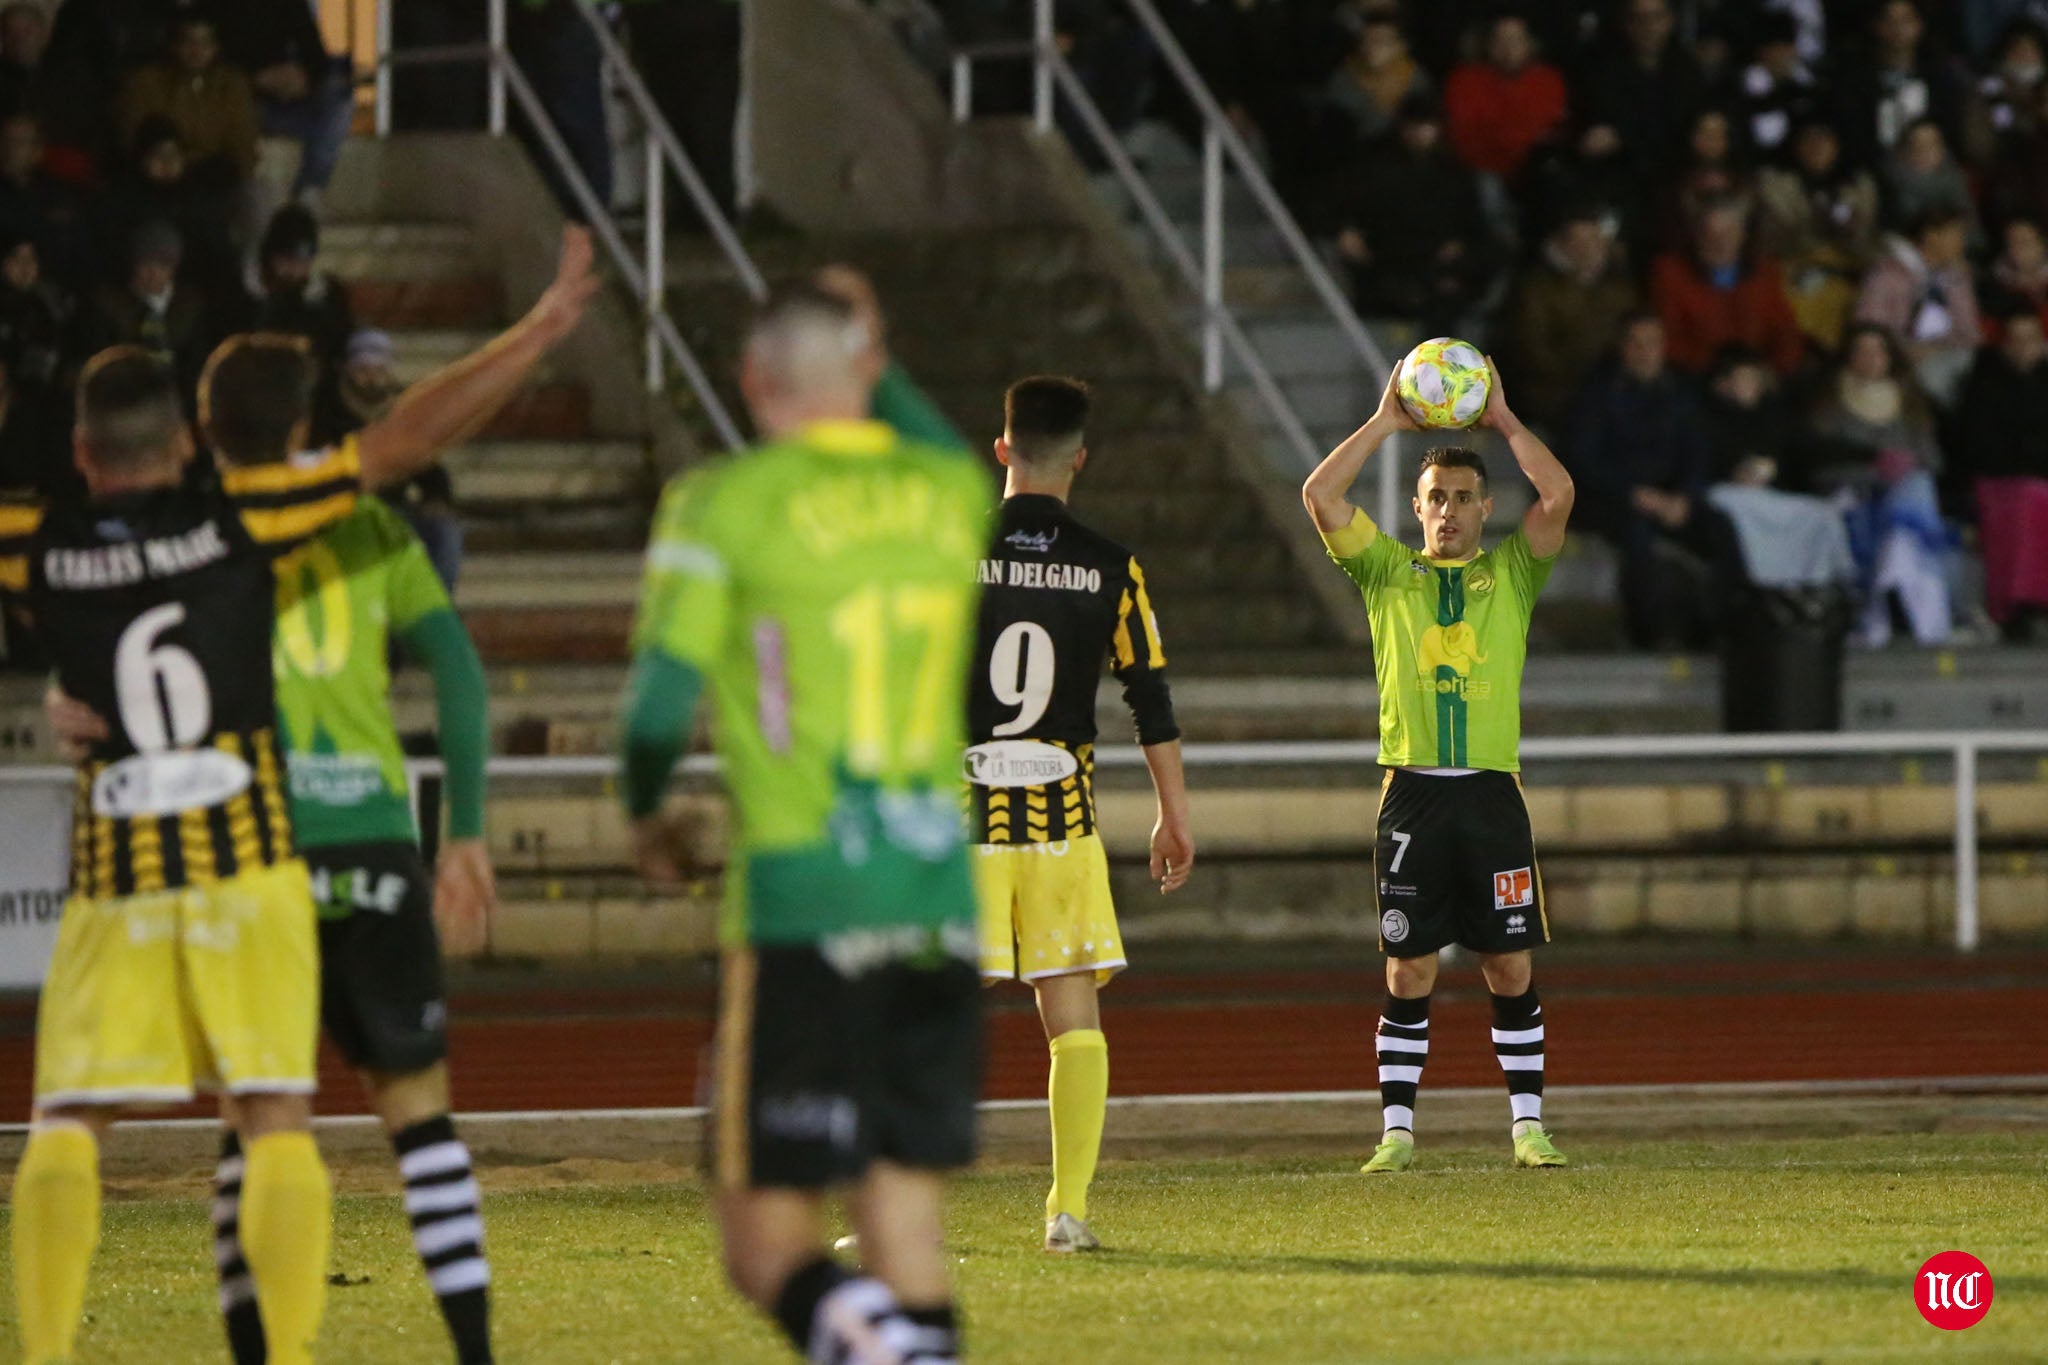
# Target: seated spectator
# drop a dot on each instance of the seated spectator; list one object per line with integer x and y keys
{"x": 1779, "y": 89}
{"x": 1567, "y": 314}
{"x": 1712, "y": 167}
{"x": 1819, "y": 218}
{"x": 1637, "y": 96}
{"x": 156, "y": 184}
{"x": 2008, "y": 93}
{"x": 1427, "y": 252}
{"x": 302, "y": 93}
{"x": 2018, "y": 279}
{"x": 364, "y": 389}
{"x": 1639, "y": 457}
{"x": 2001, "y": 447}
{"x": 95, "y": 45}
{"x": 153, "y": 308}
{"x": 33, "y": 203}
{"x": 1922, "y": 176}
{"x": 290, "y": 297}
{"x": 24, "y": 37}
{"x": 1920, "y": 291}
{"x": 1370, "y": 84}
{"x": 1499, "y": 108}
{"x": 210, "y": 102}
{"x": 37, "y": 325}
{"x": 1896, "y": 82}
{"x": 1875, "y": 453}
{"x": 1748, "y": 428}
{"x": 1722, "y": 292}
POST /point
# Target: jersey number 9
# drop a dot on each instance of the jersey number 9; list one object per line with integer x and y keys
{"x": 1020, "y": 674}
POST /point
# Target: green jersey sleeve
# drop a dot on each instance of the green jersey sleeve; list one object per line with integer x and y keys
{"x": 1520, "y": 566}
{"x": 686, "y": 594}
{"x": 1367, "y": 555}
{"x": 899, "y": 402}
{"x": 412, "y": 589}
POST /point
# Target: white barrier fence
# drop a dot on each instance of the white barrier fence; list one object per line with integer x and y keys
{"x": 35, "y": 802}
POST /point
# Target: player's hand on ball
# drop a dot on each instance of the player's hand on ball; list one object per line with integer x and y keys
{"x": 1392, "y": 412}
{"x": 1173, "y": 853}
{"x": 465, "y": 894}
{"x": 75, "y": 726}
{"x": 1498, "y": 416}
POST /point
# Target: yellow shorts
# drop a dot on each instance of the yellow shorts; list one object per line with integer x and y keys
{"x": 151, "y": 998}
{"x": 1046, "y": 910}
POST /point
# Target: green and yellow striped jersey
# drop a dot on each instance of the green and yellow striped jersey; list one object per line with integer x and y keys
{"x": 1448, "y": 644}
{"x": 825, "y": 588}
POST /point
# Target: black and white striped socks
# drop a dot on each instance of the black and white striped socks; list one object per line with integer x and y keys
{"x": 443, "y": 1203}
{"x": 838, "y": 1318}
{"x": 237, "y": 1288}
{"x": 1403, "y": 1049}
{"x": 1518, "y": 1042}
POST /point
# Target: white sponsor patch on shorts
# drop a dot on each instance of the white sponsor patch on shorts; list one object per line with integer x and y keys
{"x": 1019, "y": 763}
{"x": 1515, "y": 890}
{"x": 1393, "y": 926}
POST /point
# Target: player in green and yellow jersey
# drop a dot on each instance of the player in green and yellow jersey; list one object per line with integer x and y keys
{"x": 822, "y": 586}
{"x": 1454, "y": 858}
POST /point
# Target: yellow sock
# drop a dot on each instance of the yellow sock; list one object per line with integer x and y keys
{"x": 56, "y": 1224}
{"x": 286, "y": 1219}
{"x": 1079, "y": 1091}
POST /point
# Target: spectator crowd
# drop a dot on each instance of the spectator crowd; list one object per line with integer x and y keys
{"x": 1786, "y": 245}
{"x": 161, "y": 168}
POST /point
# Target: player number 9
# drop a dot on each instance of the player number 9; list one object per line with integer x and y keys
{"x": 1022, "y": 652}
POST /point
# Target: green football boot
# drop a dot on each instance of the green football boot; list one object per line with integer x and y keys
{"x": 1534, "y": 1149}
{"x": 1393, "y": 1154}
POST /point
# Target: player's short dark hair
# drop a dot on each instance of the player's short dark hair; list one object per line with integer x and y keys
{"x": 128, "y": 407}
{"x": 1045, "y": 416}
{"x": 1453, "y": 457}
{"x": 256, "y": 390}
{"x": 1936, "y": 216}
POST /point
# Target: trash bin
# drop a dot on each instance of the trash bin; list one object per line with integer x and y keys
{"x": 1781, "y": 659}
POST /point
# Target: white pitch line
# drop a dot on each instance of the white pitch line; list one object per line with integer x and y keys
{"x": 1922, "y": 1085}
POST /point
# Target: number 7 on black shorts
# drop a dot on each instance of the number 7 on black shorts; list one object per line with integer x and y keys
{"x": 1454, "y": 862}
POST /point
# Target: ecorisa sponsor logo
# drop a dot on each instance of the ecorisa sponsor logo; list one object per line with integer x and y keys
{"x": 1953, "y": 1290}
{"x": 1019, "y": 763}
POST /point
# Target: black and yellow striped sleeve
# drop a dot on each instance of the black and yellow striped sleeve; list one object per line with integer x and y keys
{"x": 1138, "y": 658}
{"x": 286, "y": 502}
{"x": 19, "y": 522}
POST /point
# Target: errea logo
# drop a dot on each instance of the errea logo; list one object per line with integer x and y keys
{"x": 1953, "y": 1290}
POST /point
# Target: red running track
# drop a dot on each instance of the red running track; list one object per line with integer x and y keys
{"x": 1625, "y": 1022}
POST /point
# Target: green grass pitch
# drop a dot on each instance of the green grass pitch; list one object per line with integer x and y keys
{"x": 1799, "y": 1250}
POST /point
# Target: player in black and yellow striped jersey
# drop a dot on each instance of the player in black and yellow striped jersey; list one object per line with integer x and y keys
{"x": 1058, "y": 599}
{"x": 186, "y": 956}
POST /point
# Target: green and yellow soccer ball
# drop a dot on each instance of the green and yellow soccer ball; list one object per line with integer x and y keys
{"x": 1444, "y": 383}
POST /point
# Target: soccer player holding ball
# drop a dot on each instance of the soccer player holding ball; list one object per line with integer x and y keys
{"x": 1454, "y": 858}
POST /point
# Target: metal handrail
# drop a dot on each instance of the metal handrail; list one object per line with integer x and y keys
{"x": 645, "y": 274}
{"x": 1963, "y": 746}
{"x": 1222, "y": 146}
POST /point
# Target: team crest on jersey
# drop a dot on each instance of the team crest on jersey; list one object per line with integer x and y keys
{"x": 1393, "y": 926}
{"x": 1479, "y": 582}
{"x": 1515, "y": 890}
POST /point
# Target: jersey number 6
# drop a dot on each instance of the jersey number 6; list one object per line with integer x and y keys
{"x": 161, "y": 688}
{"x": 1020, "y": 673}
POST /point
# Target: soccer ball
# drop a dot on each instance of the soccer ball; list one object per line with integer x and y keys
{"x": 1445, "y": 383}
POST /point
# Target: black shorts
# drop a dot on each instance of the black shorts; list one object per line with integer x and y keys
{"x": 823, "y": 1069}
{"x": 380, "y": 961}
{"x": 1455, "y": 863}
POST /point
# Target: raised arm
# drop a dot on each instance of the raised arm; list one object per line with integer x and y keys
{"x": 1327, "y": 494}
{"x": 1543, "y": 525}
{"x": 452, "y": 404}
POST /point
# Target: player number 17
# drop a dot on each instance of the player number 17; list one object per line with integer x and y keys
{"x": 873, "y": 624}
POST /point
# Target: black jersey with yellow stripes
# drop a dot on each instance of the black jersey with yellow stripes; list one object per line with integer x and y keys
{"x": 1058, "y": 601}
{"x": 156, "y": 609}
